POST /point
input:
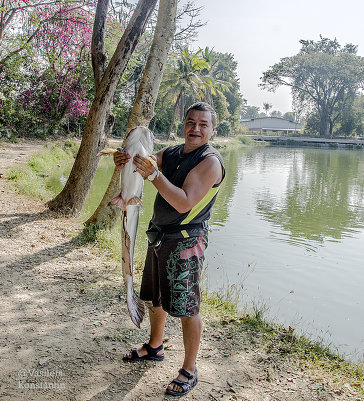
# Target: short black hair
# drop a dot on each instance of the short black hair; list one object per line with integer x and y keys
{"x": 203, "y": 107}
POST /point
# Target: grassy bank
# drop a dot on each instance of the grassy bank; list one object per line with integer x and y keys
{"x": 31, "y": 179}
{"x": 239, "y": 328}
{"x": 278, "y": 344}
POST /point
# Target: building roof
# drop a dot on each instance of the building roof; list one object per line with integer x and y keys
{"x": 272, "y": 123}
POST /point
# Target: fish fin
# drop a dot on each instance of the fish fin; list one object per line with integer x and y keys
{"x": 118, "y": 201}
{"x": 136, "y": 308}
{"x": 107, "y": 151}
{"x": 135, "y": 201}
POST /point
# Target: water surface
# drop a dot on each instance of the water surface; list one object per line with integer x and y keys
{"x": 292, "y": 236}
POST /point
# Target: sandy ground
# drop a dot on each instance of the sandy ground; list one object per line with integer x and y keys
{"x": 64, "y": 325}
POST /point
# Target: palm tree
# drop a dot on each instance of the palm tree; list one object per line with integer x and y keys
{"x": 184, "y": 77}
{"x": 218, "y": 76}
{"x": 200, "y": 75}
{"x": 267, "y": 107}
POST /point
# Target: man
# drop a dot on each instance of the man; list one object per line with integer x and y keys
{"x": 187, "y": 179}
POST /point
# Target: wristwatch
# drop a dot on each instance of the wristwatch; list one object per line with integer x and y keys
{"x": 152, "y": 176}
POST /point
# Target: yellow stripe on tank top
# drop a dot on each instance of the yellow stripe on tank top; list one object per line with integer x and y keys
{"x": 201, "y": 205}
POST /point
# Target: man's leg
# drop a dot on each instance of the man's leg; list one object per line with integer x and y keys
{"x": 157, "y": 318}
{"x": 192, "y": 328}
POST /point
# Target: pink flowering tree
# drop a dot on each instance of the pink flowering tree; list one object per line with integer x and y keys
{"x": 50, "y": 85}
{"x": 23, "y": 21}
{"x": 64, "y": 41}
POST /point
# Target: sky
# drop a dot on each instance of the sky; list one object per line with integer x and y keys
{"x": 260, "y": 32}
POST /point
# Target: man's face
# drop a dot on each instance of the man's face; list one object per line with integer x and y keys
{"x": 198, "y": 129}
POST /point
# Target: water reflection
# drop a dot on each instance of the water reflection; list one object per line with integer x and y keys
{"x": 322, "y": 199}
{"x": 297, "y": 217}
{"x": 232, "y": 158}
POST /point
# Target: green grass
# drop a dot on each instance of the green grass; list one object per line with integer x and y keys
{"x": 280, "y": 343}
{"x": 245, "y": 140}
{"x": 31, "y": 179}
{"x": 105, "y": 239}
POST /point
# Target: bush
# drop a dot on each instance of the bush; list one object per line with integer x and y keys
{"x": 180, "y": 129}
{"x": 241, "y": 129}
{"x": 223, "y": 129}
{"x": 245, "y": 140}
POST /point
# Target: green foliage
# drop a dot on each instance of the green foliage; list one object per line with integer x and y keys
{"x": 202, "y": 75}
{"x": 276, "y": 113}
{"x": 162, "y": 119}
{"x": 267, "y": 107}
{"x": 312, "y": 125}
{"x": 43, "y": 67}
{"x": 221, "y": 302}
{"x": 222, "y": 73}
{"x": 15, "y": 121}
{"x": 180, "y": 129}
{"x": 70, "y": 144}
{"x": 121, "y": 112}
{"x": 245, "y": 140}
{"x": 351, "y": 120}
{"x": 221, "y": 107}
{"x": 248, "y": 112}
{"x": 324, "y": 77}
{"x": 289, "y": 116}
{"x": 223, "y": 129}
{"x": 182, "y": 79}
{"x": 105, "y": 239}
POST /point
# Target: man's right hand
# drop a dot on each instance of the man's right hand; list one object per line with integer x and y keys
{"x": 121, "y": 158}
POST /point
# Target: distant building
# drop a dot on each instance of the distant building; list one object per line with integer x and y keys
{"x": 271, "y": 124}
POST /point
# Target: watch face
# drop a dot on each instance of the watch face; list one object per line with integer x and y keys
{"x": 152, "y": 176}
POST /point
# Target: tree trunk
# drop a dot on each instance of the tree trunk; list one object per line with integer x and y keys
{"x": 71, "y": 199}
{"x": 98, "y": 58}
{"x": 325, "y": 125}
{"x": 143, "y": 107}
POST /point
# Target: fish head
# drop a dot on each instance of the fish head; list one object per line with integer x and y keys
{"x": 142, "y": 135}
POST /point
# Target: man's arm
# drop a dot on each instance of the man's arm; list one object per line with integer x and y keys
{"x": 197, "y": 183}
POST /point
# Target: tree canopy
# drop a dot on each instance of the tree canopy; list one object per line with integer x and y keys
{"x": 200, "y": 75}
{"x": 44, "y": 49}
{"x": 324, "y": 77}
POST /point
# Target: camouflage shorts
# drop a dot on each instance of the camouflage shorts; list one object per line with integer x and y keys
{"x": 171, "y": 276}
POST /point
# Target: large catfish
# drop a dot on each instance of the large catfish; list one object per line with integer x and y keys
{"x": 139, "y": 140}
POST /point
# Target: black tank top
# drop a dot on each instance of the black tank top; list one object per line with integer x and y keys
{"x": 175, "y": 167}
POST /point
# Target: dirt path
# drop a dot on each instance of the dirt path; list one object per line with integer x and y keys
{"x": 64, "y": 324}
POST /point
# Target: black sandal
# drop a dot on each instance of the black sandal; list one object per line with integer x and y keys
{"x": 151, "y": 354}
{"x": 185, "y": 386}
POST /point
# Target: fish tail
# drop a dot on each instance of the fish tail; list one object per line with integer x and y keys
{"x": 136, "y": 308}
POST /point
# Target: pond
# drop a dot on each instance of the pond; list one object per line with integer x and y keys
{"x": 291, "y": 233}
{"x": 288, "y": 230}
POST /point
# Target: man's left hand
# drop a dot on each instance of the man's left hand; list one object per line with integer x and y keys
{"x": 144, "y": 165}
